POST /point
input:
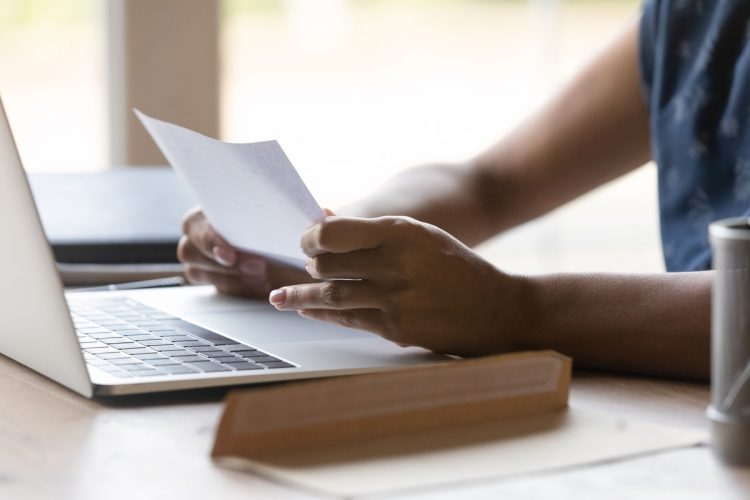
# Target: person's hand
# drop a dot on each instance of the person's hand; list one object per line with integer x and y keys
{"x": 209, "y": 259}
{"x": 409, "y": 282}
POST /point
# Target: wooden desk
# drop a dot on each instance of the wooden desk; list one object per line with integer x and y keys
{"x": 55, "y": 444}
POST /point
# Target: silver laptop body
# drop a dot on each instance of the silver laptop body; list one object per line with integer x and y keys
{"x": 116, "y": 343}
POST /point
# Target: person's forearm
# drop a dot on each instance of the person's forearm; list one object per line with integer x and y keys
{"x": 649, "y": 324}
{"x": 442, "y": 195}
{"x": 591, "y": 132}
{"x": 594, "y": 130}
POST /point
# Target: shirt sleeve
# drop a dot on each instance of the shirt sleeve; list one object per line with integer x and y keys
{"x": 647, "y": 44}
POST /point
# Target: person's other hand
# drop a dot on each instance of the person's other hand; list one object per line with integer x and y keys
{"x": 209, "y": 259}
{"x": 409, "y": 282}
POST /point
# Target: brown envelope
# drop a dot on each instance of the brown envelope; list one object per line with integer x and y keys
{"x": 311, "y": 415}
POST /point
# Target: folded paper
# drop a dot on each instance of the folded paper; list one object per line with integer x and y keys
{"x": 251, "y": 193}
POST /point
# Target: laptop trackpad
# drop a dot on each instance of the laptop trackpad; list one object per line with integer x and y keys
{"x": 255, "y": 327}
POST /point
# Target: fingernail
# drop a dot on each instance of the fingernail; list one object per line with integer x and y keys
{"x": 253, "y": 267}
{"x": 277, "y": 297}
{"x": 223, "y": 256}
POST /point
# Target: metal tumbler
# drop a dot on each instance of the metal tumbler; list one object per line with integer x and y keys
{"x": 729, "y": 411}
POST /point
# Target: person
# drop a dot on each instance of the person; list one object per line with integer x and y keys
{"x": 671, "y": 87}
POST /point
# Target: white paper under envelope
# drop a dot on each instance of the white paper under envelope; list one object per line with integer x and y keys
{"x": 251, "y": 193}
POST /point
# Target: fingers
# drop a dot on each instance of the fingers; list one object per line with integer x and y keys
{"x": 250, "y": 266}
{"x": 361, "y": 319}
{"x": 361, "y": 264}
{"x": 189, "y": 254}
{"x": 336, "y": 295}
{"x": 197, "y": 229}
{"x": 343, "y": 234}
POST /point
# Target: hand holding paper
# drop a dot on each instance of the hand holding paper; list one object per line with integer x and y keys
{"x": 251, "y": 193}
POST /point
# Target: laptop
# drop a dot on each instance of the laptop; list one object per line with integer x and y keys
{"x": 118, "y": 343}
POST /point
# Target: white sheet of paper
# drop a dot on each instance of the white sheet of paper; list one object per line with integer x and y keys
{"x": 530, "y": 444}
{"x": 250, "y": 193}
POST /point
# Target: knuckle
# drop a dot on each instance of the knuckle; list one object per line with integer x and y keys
{"x": 324, "y": 235}
{"x": 346, "y": 318}
{"x": 182, "y": 249}
{"x": 190, "y": 218}
{"x": 192, "y": 274}
{"x": 207, "y": 238}
{"x": 402, "y": 228}
{"x": 331, "y": 294}
{"x": 396, "y": 221}
{"x": 320, "y": 266}
{"x": 293, "y": 298}
{"x": 327, "y": 233}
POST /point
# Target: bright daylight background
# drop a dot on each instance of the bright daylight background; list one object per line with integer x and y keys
{"x": 355, "y": 90}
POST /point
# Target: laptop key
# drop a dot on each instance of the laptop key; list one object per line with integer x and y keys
{"x": 251, "y": 354}
{"x": 154, "y": 342}
{"x": 205, "y": 348}
{"x": 107, "y": 335}
{"x": 207, "y": 366}
{"x": 199, "y": 331}
{"x": 190, "y": 359}
{"x": 161, "y": 362}
{"x": 138, "y": 350}
{"x": 113, "y": 340}
{"x": 170, "y": 347}
{"x": 191, "y": 343}
{"x": 130, "y": 330}
{"x": 145, "y": 373}
{"x": 255, "y": 356}
{"x": 232, "y": 360}
{"x": 278, "y": 364}
{"x": 149, "y": 355}
{"x": 228, "y": 359}
{"x": 246, "y": 366}
{"x": 125, "y": 363}
{"x": 135, "y": 367}
{"x": 99, "y": 350}
{"x": 238, "y": 347}
{"x": 117, "y": 328}
{"x": 126, "y": 345}
{"x": 158, "y": 328}
{"x": 176, "y": 369}
{"x": 90, "y": 330}
{"x": 139, "y": 336}
{"x": 178, "y": 337}
{"x": 92, "y": 344}
{"x": 182, "y": 353}
{"x": 266, "y": 359}
{"x": 214, "y": 354}
{"x": 113, "y": 355}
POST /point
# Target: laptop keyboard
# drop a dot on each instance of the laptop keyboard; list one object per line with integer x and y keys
{"x": 127, "y": 338}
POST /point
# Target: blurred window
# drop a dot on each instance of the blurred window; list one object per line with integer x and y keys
{"x": 52, "y": 81}
{"x": 355, "y": 90}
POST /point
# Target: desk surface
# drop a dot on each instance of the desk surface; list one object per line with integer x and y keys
{"x": 54, "y": 444}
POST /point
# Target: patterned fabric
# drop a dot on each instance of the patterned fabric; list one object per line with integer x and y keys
{"x": 695, "y": 64}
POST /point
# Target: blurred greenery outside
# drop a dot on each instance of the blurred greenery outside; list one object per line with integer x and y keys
{"x": 393, "y": 84}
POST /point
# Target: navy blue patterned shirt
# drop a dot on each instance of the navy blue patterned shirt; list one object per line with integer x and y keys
{"x": 695, "y": 64}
